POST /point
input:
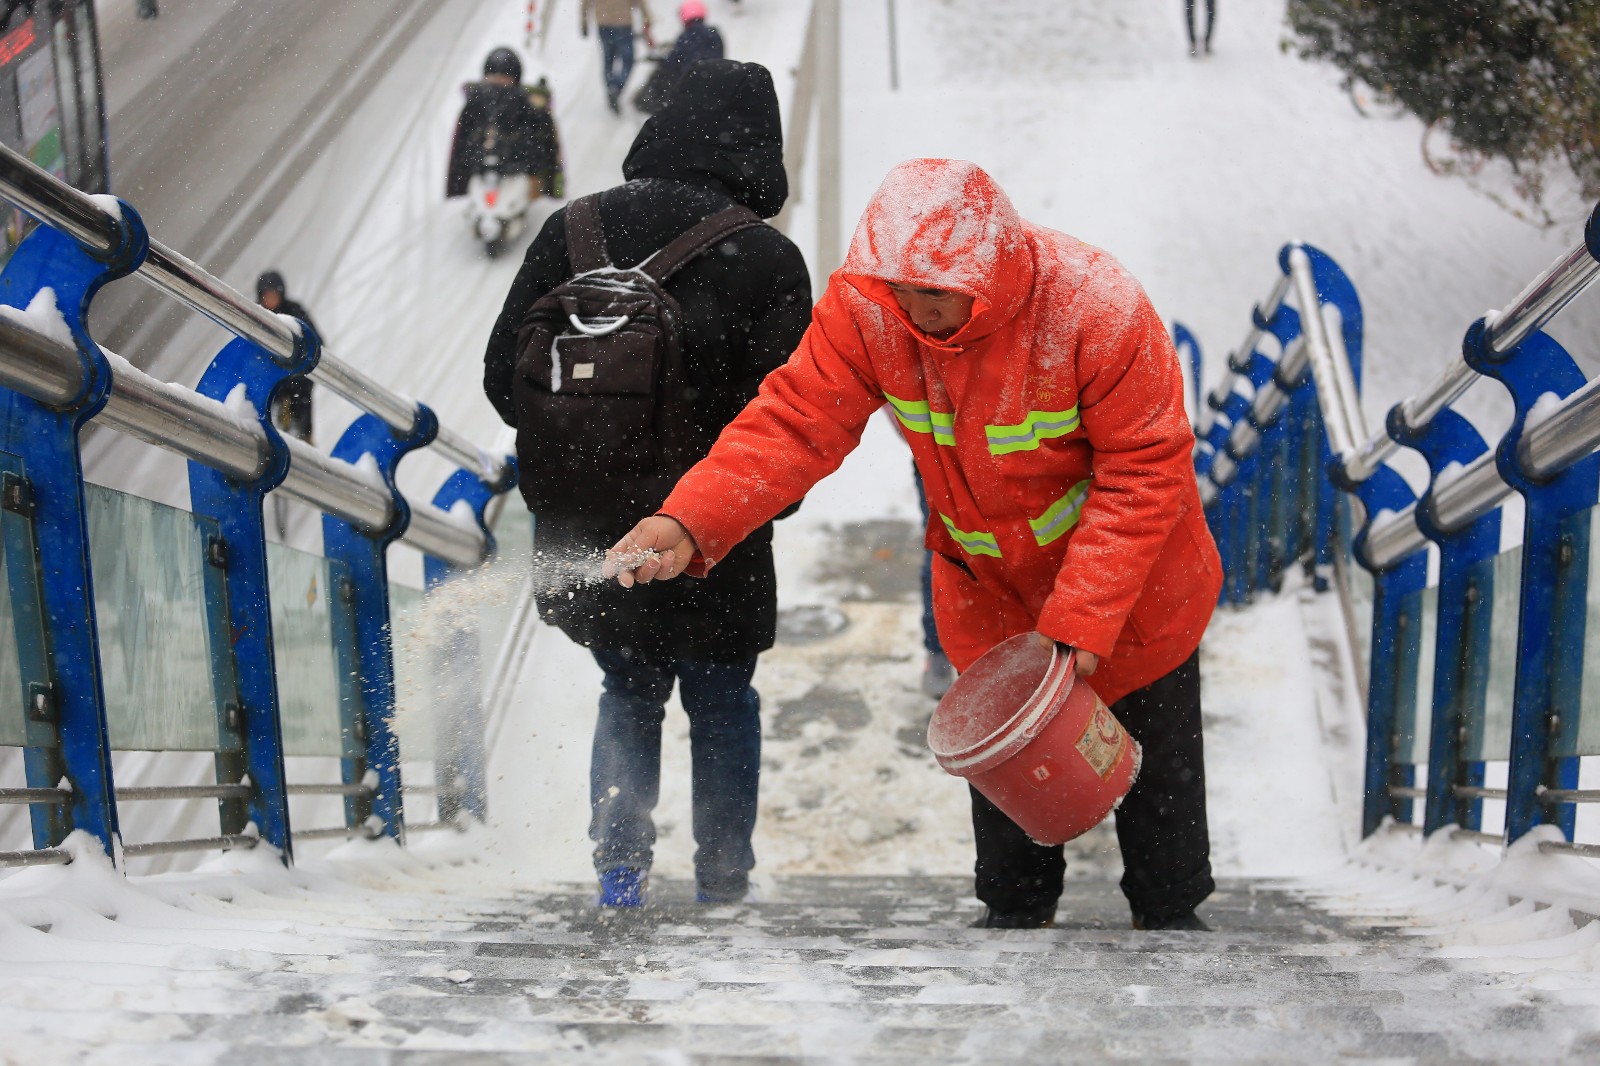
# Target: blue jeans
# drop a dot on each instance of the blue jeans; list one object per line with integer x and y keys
{"x": 616, "y": 58}
{"x": 725, "y": 765}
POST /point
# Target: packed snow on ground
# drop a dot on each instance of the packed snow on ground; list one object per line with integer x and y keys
{"x": 1097, "y": 122}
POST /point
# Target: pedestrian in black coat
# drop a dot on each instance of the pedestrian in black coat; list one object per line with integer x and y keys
{"x": 291, "y": 412}
{"x": 745, "y": 304}
{"x": 699, "y": 40}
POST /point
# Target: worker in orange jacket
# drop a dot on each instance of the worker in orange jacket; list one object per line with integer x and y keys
{"x": 1043, "y": 403}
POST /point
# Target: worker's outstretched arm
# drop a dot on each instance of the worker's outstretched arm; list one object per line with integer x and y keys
{"x": 809, "y": 414}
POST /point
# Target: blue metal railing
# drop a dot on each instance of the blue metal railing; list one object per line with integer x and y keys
{"x": 55, "y": 379}
{"x": 1487, "y": 660}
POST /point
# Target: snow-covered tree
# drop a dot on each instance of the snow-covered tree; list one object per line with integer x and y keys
{"x": 1514, "y": 79}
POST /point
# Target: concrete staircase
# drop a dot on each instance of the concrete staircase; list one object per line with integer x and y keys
{"x": 827, "y": 970}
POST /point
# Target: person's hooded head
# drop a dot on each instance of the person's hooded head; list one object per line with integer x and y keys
{"x": 941, "y": 247}
{"x": 719, "y": 128}
{"x": 270, "y": 290}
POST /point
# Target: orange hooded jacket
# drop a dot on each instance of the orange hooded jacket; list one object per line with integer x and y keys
{"x": 1049, "y": 431}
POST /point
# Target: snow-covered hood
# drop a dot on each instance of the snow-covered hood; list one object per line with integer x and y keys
{"x": 943, "y": 224}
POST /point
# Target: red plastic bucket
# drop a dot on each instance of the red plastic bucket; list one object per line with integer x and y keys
{"x": 1028, "y": 733}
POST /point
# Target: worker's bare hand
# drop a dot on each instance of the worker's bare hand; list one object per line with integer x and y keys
{"x": 656, "y": 549}
{"x": 1087, "y": 661}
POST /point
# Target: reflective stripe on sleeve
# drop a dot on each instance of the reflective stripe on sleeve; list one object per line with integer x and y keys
{"x": 1061, "y": 515}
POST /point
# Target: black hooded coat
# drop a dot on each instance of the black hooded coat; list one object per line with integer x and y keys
{"x": 746, "y": 303}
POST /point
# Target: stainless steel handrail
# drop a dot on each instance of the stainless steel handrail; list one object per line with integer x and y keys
{"x": 34, "y": 795}
{"x": 1478, "y": 792}
{"x": 302, "y": 836}
{"x": 92, "y": 223}
{"x": 38, "y": 857}
{"x": 1569, "y": 795}
{"x": 1569, "y": 433}
{"x": 199, "y": 428}
{"x": 1336, "y": 389}
{"x": 1540, "y": 301}
{"x": 1562, "y": 847}
{"x": 1244, "y": 437}
{"x": 330, "y": 790}
{"x": 182, "y": 792}
{"x": 173, "y": 847}
{"x": 1219, "y": 395}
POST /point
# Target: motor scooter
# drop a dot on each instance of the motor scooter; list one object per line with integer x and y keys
{"x": 497, "y": 205}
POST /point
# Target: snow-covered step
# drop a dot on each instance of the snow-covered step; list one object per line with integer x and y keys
{"x": 826, "y": 970}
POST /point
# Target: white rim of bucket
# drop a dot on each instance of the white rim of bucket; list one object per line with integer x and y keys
{"x": 1042, "y": 700}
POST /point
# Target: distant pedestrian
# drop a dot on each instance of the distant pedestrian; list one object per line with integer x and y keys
{"x": 291, "y": 411}
{"x": 699, "y": 40}
{"x": 614, "y": 21}
{"x": 1211, "y": 20}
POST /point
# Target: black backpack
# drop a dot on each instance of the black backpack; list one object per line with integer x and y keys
{"x": 604, "y": 425}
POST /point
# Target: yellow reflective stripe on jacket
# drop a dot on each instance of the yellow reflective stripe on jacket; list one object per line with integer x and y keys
{"x": 1026, "y": 436}
{"x": 916, "y": 416}
{"x": 1061, "y": 515}
{"x": 973, "y": 543}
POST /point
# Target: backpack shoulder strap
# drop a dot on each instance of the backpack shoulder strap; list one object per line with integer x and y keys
{"x": 697, "y": 239}
{"x": 586, "y": 241}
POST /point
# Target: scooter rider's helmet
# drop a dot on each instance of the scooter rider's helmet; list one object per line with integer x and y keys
{"x": 691, "y": 11}
{"x": 503, "y": 61}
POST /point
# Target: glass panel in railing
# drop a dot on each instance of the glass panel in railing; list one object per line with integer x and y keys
{"x": 13, "y": 713}
{"x": 1359, "y": 589}
{"x": 1414, "y": 715}
{"x": 415, "y": 663}
{"x": 1583, "y": 736}
{"x": 302, "y": 638}
{"x": 1489, "y": 730}
{"x": 150, "y": 607}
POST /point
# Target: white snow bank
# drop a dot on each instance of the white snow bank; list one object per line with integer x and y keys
{"x": 42, "y": 316}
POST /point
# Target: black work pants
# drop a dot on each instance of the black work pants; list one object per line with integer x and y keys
{"x": 1161, "y": 824}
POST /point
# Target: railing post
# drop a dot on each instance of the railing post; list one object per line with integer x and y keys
{"x": 1555, "y": 580}
{"x": 245, "y": 370}
{"x": 1466, "y": 588}
{"x": 1184, "y": 339}
{"x": 370, "y": 441}
{"x": 1392, "y": 667}
{"x": 61, "y": 683}
{"x": 458, "y": 747}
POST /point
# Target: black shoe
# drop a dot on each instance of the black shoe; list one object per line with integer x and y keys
{"x": 1038, "y": 918}
{"x": 1188, "y": 922}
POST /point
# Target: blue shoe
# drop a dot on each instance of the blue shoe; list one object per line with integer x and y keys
{"x": 623, "y": 887}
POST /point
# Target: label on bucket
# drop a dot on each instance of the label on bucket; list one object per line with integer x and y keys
{"x": 1101, "y": 743}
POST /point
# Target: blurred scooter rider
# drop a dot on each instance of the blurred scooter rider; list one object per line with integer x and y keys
{"x": 499, "y": 122}
{"x": 291, "y": 411}
{"x": 698, "y": 41}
